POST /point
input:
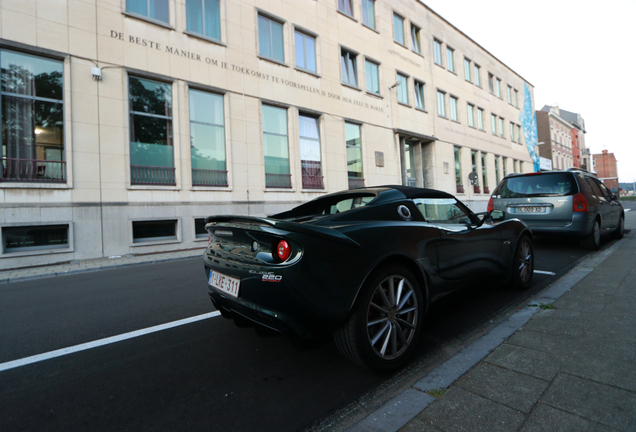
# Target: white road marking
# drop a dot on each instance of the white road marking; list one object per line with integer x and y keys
{"x": 627, "y": 210}
{"x": 544, "y": 272}
{"x": 100, "y": 342}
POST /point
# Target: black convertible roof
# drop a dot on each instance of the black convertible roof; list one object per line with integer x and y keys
{"x": 415, "y": 192}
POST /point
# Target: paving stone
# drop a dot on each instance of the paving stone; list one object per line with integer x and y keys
{"x": 459, "y": 410}
{"x": 606, "y": 370}
{"x": 593, "y": 401}
{"x": 549, "y": 343}
{"x": 565, "y": 315}
{"x": 614, "y": 347}
{"x": 416, "y": 425}
{"x": 614, "y": 330}
{"x": 531, "y": 362}
{"x": 545, "y": 418}
{"x": 557, "y": 327}
{"x": 513, "y": 389}
{"x": 589, "y": 303}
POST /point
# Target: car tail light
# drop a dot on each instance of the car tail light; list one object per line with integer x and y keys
{"x": 491, "y": 205}
{"x": 579, "y": 203}
{"x": 283, "y": 250}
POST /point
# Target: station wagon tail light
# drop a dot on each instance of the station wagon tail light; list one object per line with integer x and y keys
{"x": 491, "y": 205}
{"x": 579, "y": 203}
{"x": 283, "y": 250}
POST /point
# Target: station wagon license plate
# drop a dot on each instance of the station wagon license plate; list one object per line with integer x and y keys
{"x": 222, "y": 282}
{"x": 530, "y": 209}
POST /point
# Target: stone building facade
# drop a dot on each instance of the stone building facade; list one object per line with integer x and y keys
{"x": 126, "y": 122}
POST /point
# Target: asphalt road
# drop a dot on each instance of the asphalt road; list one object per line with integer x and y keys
{"x": 207, "y": 375}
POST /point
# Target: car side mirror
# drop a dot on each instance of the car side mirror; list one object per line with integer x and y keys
{"x": 497, "y": 215}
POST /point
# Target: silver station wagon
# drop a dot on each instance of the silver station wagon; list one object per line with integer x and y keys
{"x": 571, "y": 203}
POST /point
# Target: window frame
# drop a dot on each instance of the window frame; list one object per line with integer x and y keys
{"x": 319, "y": 184}
{"x": 368, "y": 60}
{"x": 416, "y": 39}
{"x": 480, "y": 120}
{"x": 365, "y": 11}
{"x": 476, "y": 73}
{"x": 351, "y": 56}
{"x": 419, "y": 84}
{"x": 271, "y": 19}
{"x": 450, "y": 59}
{"x": 359, "y": 147}
{"x": 403, "y": 79}
{"x": 441, "y": 108}
{"x": 401, "y": 20}
{"x": 36, "y": 250}
{"x": 204, "y": 35}
{"x": 264, "y": 133}
{"x": 306, "y": 35}
{"x": 346, "y": 3}
{"x": 467, "y": 67}
{"x": 147, "y": 17}
{"x": 453, "y": 104}
{"x": 437, "y": 52}
{"x": 470, "y": 112}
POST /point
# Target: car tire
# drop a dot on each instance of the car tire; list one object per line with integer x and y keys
{"x": 386, "y": 321}
{"x": 620, "y": 229}
{"x": 523, "y": 264}
{"x": 593, "y": 239}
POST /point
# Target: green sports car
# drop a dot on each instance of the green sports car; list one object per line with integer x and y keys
{"x": 362, "y": 265}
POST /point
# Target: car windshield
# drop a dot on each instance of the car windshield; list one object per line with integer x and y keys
{"x": 442, "y": 210}
{"x": 553, "y": 184}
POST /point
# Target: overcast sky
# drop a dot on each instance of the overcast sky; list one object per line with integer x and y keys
{"x": 579, "y": 55}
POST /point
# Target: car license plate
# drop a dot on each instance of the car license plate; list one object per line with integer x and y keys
{"x": 530, "y": 209}
{"x": 222, "y": 282}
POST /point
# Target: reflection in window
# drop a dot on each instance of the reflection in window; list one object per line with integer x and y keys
{"x": 419, "y": 95}
{"x": 442, "y": 210}
{"x": 207, "y": 139}
{"x": 398, "y": 29}
{"x": 403, "y": 89}
{"x": 484, "y": 173}
{"x": 151, "y": 145}
{"x": 441, "y": 104}
{"x": 155, "y": 9}
{"x": 467, "y": 69}
{"x": 372, "y": 76}
{"x": 458, "y": 167}
{"x": 354, "y": 155}
{"x": 270, "y": 39}
{"x": 453, "y": 108}
{"x": 450, "y": 59}
{"x": 204, "y": 17}
{"x": 31, "y": 96}
{"x": 477, "y": 77}
{"x": 154, "y": 230}
{"x": 305, "y": 51}
{"x": 275, "y": 147}
{"x": 345, "y": 7}
{"x": 471, "y": 115}
{"x": 310, "y": 157}
{"x": 437, "y": 50}
{"x": 27, "y": 238}
{"x": 368, "y": 13}
{"x": 416, "y": 44}
{"x": 349, "y": 68}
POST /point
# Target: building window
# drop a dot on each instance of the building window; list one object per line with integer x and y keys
{"x": 151, "y": 142}
{"x": 354, "y": 155}
{"x": 512, "y": 132}
{"x": 491, "y": 83}
{"x": 437, "y": 49}
{"x": 349, "y": 68}
{"x": 270, "y": 39}
{"x": 493, "y": 123}
{"x": 453, "y": 108}
{"x": 154, "y": 230}
{"x": 450, "y": 59}
{"x": 498, "y": 88}
{"x": 501, "y": 127}
{"x": 473, "y": 158}
{"x": 310, "y": 156}
{"x": 275, "y": 147}
{"x": 398, "y": 29}
{"x": 345, "y": 7}
{"x": 477, "y": 77}
{"x": 199, "y": 228}
{"x": 204, "y": 17}
{"x": 368, "y": 13}
{"x": 516, "y": 99}
{"x": 372, "y": 76}
{"x": 480, "y": 119}
{"x": 416, "y": 43}
{"x": 458, "y": 170}
{"x": 403, "y": 89}
{"x": 510, "y": 95}
{"x": 471, "y": 115}
{"x": 207, "y": 139}
{"x": 153, "y": 9}
{"x": 484, "y": 173}
{"x": 497, "y": 169}
{"x": 467, "y": 70}
{"x": 305, "y": 51}
{"x": 519, "y": 139}
{"x": 33, "y": 238}
{"x": 32, "y": 115}
{"x": 441, "y": 104}
{"x": 419, "y": 95}
{"x": 504, "y": 162}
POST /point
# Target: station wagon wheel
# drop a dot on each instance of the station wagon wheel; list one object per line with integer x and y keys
{"x": 381, "y": 332}
{"x": 620, "y": 229}
{"x": 523, "y": 264}
{"x": 593, "y": 239}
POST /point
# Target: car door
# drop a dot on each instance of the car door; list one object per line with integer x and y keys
{"x": 463, "y": 250}
{"x": 614, "y": 205}
{"x": 604, "y": 204}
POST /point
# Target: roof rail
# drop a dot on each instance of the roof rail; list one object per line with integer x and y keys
{"x": 578, "y": 169}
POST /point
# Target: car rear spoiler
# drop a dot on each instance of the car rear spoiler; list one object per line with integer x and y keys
{"x": 282, "y": 227}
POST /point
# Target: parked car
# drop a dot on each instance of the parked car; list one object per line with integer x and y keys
{"x": 569, "y": 203}
{"x": 362, "y": 265}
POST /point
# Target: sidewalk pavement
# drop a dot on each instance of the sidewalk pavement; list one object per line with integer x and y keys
{"x": 78, "y": 266}
{"x": 566, "y": 362}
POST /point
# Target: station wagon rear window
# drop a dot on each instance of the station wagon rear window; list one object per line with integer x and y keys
{"x": 556, "y": 184}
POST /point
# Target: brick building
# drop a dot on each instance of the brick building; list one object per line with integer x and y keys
{"x": 606, "y": 170}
